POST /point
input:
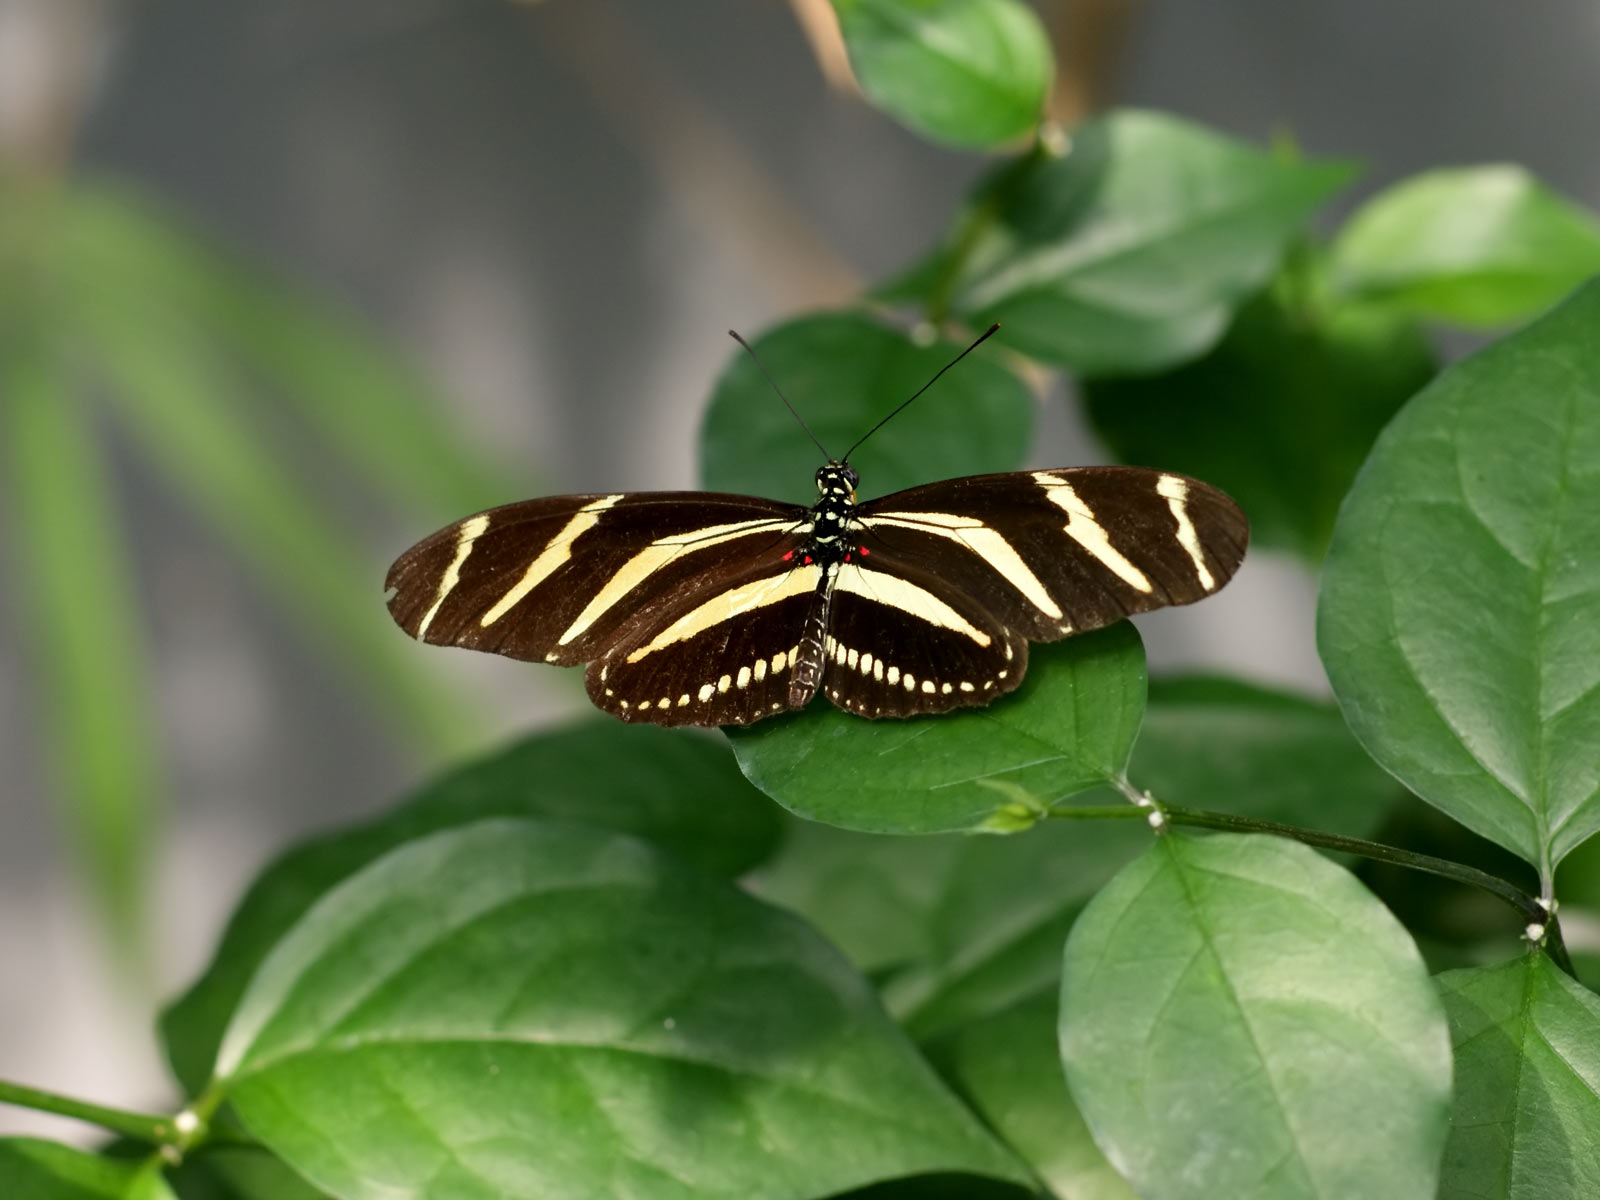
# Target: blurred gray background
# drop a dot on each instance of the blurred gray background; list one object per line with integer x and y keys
{"x": 557, "y": 209}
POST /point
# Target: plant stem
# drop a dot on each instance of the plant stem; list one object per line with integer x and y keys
{"x": 143, "y": 1127}
{"x": 1527, "y": 907}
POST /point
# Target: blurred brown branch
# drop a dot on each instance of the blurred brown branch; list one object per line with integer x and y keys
{"x": 1088, "y": 37}
{"x": 699, "y": 161}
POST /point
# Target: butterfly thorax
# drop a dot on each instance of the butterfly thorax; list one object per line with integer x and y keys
{"x": 834, "y": 512}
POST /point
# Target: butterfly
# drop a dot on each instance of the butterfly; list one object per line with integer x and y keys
{"x": 707, "y": 608}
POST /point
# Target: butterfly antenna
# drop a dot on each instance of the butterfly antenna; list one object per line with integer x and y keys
{"x": 981, "y": 338}
{"x": 749, "y": 349}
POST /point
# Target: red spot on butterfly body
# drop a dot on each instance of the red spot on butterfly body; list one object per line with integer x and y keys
{"x": 808, "y": 560}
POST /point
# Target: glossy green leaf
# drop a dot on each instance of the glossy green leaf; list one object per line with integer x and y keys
{"x": 678, "y": 790}
{"x": 1068, "y": 728}
{"x": 1527, "y": 1106}
{"x": 1127, "y": 253}
{"x": 1460, "y": 608}
{"x": 1240, "y": 1017}
{"x": 34, "y": 1169}
{"x": 1230, "y": 746}
{"x": 1280, "y": 415}
{"x": 532, "y": 1008}
{"x": 355, "y": 393}
{"x": 1473, "y": 245}
{"x": 71, "y": 578}
{"x": 845, "y": 372}
{"x": 179, "y": 403}
{"x": 1006, "y": 1066}
{"x": 954, "y": 926}
{"x": 962, "y": 72}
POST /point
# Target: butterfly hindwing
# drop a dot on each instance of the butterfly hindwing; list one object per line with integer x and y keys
{"x": 902, "y": 641}
{"x": 563, "y": 579}
{"x": 1052, "y": 553}
{"x": 726, "y": 652}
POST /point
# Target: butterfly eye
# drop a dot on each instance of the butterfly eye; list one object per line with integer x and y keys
{"x": 851, "y": 477}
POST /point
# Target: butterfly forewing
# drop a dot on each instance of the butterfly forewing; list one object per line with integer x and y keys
{"x": 562, "y": 580}
{"x": 1052, "y": 553}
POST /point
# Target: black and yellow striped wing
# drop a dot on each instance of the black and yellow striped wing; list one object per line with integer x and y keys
{"x": 708, "y": 609}
{"x": 951, "y": 580}
{"x": 566, "y": 579}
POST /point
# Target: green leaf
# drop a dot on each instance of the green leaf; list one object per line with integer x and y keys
{"x": 962, "y": 72}
{"x": 1459, "y": 617}
{"x": 70, "y": 575}
{"x": 527, "y": 1008}
{"x": 1068, "y": 728}
{"x": 1241, "y": 1017}
{"x": 1007, "y": 1069}
{"x": 955, "y": 926}
{"x": 1129, "y": 252}
{"x": 678, "y": 790}
{"x": 845, "y": 372}
{"x": 34, "y": 1169}
{"x": 245, "y": 1172}
{"x": 1474, "y": 245}
{"x": 1225, "y": 745}
{"x": 1527, "y": 1049}
{"x": 1312, "y": 386}
{"x": 354, "y": 392}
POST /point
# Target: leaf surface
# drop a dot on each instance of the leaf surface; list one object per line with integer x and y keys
{"x": 35, "y": 1169}
{"x": 677, "y": 790}
{"x": 1475, "y": 245}
{"x": 1066, "y": 729}
{"x": 1280, "y": 414}
{"x": 1240, "y": 1017}
{"x": 1459, "y": 613}
{"x": 1527, "y": 1049}
{"x": 1129, "y": 252}
{"x": 844, "y": 372}
{"x": 536, "y": 1008}
{"x": 963, "y": 72}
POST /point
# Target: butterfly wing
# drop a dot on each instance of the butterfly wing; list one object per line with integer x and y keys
{"x": 565, "y": 579}
{"x": 902, "y": 640}
{"x": 722, "y": 649}
{"x": 1052, "y": 553}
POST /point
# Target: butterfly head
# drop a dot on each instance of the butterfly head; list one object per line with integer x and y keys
{"x": 837, "y": 479}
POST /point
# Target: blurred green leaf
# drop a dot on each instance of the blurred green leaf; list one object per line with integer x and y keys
{"x": 1280, "y": 415}
{"x": 73, "y": 583}
{"x": 1230, "y": 746}
{"x": 1066, "y": 729}
{"x": 353, "y": 391}
{"x": 1128, "y": 252}
{"x": 34, "y": 1169}
{"x": 1475, "y": 245}
{"x": 226, "y": 1172}
{"x": 174, "y": 397}
{"x": 954, "y": 926}
{"x": 963, "y": 72}
{"x": 678, "y": 790}
{"x": 1459, "y": 615}
{"x": 1007, "y": 1067}
{"x": 1527, "y": 1103}
{"x": 1239, "y": 1016}
{"x": 845, "y": 372}
{"x": 527, "y": 1007}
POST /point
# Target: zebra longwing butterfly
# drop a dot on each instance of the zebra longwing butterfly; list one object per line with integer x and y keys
{"x": 703, "y": 608}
